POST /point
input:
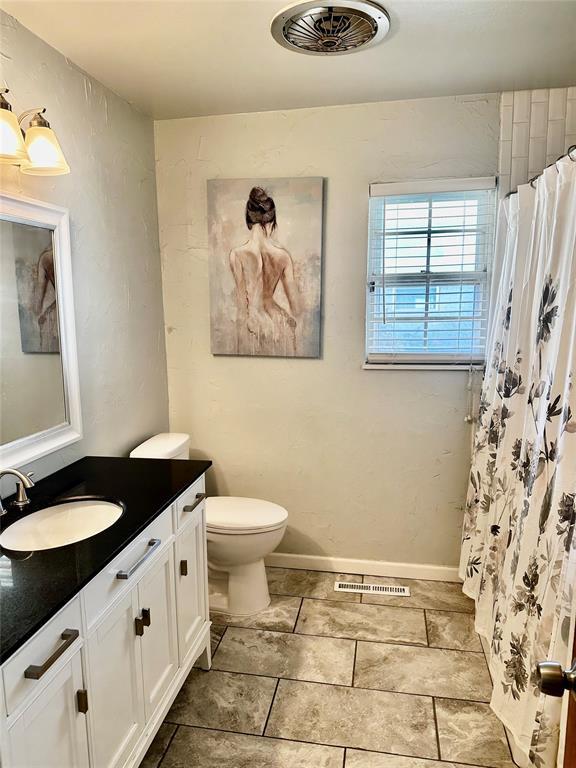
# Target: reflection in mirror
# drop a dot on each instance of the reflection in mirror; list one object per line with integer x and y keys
{"x": 31, "y": 378}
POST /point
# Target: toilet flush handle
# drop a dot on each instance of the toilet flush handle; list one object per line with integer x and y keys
{"x": 191, "y": 507}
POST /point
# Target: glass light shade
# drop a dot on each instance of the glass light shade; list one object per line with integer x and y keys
{"x": 44, "y": 152}
{"x": 12, "y": 149}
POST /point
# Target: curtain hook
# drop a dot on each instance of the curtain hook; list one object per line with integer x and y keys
{"x": 571, "y": 149}
{"x": 532, "y": 180}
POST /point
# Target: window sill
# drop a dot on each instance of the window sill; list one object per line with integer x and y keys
{"x": 462, "y": 368}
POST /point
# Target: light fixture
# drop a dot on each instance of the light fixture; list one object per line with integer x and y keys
{"x": 45, "y": 156}
{"x": 37, "y": 152}
{"x": 12, "y": 149}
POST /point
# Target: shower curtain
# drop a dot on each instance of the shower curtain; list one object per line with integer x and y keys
{"x": 518, "y": 557}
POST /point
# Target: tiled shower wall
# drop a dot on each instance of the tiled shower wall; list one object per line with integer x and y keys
{"x": 536, "y": 127}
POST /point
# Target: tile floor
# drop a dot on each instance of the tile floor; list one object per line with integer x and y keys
{"x": 325, "y": 679}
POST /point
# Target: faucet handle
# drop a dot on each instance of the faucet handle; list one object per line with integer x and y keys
{"x": 22, "y": 499}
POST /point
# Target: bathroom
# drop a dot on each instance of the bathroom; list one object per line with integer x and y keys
{"x": 401, "y": 610}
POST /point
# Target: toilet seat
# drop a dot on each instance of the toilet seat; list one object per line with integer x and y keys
{"x": 240, "y": 515}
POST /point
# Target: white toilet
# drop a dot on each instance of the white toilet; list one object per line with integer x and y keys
{"x": 240, "y": 532}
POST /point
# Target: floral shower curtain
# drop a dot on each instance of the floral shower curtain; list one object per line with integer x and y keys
{"x": 518, "y": 557}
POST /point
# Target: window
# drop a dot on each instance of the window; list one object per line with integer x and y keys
{"x": 429, "y": 251}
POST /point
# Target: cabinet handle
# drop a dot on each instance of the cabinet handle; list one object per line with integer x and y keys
{"x": 183, "y": 567}
{"x": 191, "y": 507}
{"x": 82, "y": 700}
{"x": 146, "y": 619}
{"x": 153, "y": 544}
{"x": 35, "y": 672}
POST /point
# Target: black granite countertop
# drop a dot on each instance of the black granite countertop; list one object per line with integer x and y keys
{"x": 34, "y": 589}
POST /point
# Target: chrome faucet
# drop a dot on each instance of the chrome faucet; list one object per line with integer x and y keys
{"x": 25, "y": 482}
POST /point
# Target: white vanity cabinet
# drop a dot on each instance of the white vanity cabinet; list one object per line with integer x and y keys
{"x": 115, "y": 681}
{"x": 141, "y": 623}
{"x": 157, "y": 603}
{"x": 51, "y": 732}
{"x": 191, "y": 569}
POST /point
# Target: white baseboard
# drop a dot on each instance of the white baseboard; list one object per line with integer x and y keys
{"x": 365, "y": 567}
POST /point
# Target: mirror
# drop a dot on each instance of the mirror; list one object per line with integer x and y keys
{"x": 39, "y": 395}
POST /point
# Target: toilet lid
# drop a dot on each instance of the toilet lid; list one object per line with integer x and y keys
{"x": 236, "y": 514}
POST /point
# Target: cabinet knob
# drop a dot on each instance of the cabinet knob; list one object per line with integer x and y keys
{"x": 183, "y": 567}
{"x": 82, "y": 700}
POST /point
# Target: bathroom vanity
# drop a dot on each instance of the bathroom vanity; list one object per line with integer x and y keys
{"x": 97, "y": 637}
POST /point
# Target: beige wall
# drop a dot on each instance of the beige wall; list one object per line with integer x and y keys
{"x": 369, "y": 464}
{"x": 116, "y": 268}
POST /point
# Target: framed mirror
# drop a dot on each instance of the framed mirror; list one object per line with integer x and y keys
{"x": 39, "y": 387}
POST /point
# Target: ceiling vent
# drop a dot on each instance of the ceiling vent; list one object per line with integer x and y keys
{"x": 330, "y": 30}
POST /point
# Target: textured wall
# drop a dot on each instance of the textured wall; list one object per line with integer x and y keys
{"x": 116, "y": 268}
{"x": 536, "y": 127}
{"x": 370, "y": 464}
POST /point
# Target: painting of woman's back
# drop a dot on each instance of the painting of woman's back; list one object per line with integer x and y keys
{"x": 265, "y": 270}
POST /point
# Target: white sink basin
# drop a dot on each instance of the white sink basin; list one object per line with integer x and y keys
{"x": 60, "y": 524}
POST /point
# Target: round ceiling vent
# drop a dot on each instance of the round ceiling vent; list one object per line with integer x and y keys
{"x": 328, "y": 30}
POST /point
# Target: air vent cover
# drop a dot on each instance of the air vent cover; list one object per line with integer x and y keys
{"x": 330, "y": 30}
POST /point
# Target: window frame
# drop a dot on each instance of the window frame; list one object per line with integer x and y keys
{"x": 429, "y": 361}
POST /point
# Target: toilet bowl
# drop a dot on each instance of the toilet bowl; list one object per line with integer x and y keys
{"x": 240, "y": 533}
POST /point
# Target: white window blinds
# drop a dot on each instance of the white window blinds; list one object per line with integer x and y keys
{"x": 429, "y": 253}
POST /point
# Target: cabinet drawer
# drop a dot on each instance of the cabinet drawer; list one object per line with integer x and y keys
{"x": 190, "y": 498}
{"x": 127, "y": 568}
{"x": 40, "y": 655}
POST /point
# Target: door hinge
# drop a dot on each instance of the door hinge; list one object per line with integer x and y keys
{"x": 183, "y": 567}
{"x": 139, "y": 626}
{"x": 82, "y": 700}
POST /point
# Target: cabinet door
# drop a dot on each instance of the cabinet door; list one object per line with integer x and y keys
{"x": 191, "y": 593}
{"x": 51, "y": 732}
{"x": 157, "y": 604}
{"x": 116, "y": 694}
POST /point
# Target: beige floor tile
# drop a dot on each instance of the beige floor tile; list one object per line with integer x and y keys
{"x": 356, "y": 759}
{"x": 158, "y": 747}
{"x": 318, "y": 584}
{"x": 439, "y": 595}
{"x": 362, "y": 622}
{"x": 280, "y": 615}
{"x": 279, "y": 654}
{"x": 471, "y": 733}
{"x": 216, "y": 633}
{"x": 448, "y": 629}
{"x": 224, "y": 700}
{"x": 426, "y": 671}
{"x": 350, "y": 717}
{"x": 198, "y": 748}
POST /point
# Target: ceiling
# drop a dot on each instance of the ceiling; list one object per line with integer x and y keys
{"x": 183, "y": 58}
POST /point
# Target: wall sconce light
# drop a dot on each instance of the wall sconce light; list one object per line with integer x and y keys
{"x": 12, "y": 149}
{"x": 37, "y": 151}
{"x": 45, "y": 156}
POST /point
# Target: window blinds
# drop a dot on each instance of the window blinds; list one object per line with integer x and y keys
{"x": 429, "y": 254}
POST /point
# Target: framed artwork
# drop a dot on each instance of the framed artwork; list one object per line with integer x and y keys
{"x": 265, "y": 239}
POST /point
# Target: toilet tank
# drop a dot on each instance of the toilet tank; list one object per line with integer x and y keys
{"x": 167, "y": 445}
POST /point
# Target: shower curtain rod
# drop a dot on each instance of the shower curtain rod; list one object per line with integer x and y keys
{"x": 533, "y": 179}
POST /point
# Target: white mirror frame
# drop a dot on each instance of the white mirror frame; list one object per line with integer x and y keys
{"x": 19, "y": 452}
